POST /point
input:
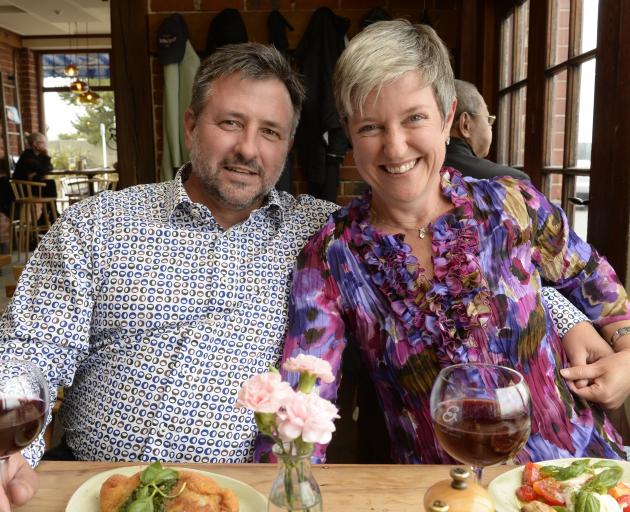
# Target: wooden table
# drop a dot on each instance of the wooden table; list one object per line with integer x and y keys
{"x": 372, "y": 488}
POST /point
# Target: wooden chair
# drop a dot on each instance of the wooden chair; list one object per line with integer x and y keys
{"x": 31, "y": 206}
{"x": 77, "y": 189}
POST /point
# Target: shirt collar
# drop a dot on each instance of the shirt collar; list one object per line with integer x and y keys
{"x": 176, "y": 195}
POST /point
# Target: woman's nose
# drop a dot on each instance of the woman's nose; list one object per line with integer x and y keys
{"x": 395, "y": 144}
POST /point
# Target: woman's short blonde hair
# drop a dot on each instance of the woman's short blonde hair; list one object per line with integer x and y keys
{"x": 384, "y": 51}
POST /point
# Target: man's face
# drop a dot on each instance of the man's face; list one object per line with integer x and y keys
{"x": 39, "y": 144}
{"x": 239, "y": 142}
{"x": 480, "y": 131}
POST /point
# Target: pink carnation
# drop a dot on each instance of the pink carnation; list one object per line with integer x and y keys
{"x": 264, "y": 393}
{"x": 310, "y": 364}
{"x": 309, "y": 416}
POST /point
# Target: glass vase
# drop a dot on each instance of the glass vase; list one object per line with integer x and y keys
{"x": 294, "y": 488}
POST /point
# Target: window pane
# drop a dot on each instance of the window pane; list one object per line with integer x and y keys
{"x": 93, "y": 67}
{"x": 517, "y": 156}
{"x": 584, "y": 130}
{"x": 507, "y": 28}
{"x": 578, "y": 214}
{"x": 559, "y": 31}
{"x": 521, "y": 42}
{"x": 552, "y": 187}
{"x": 503, "y": 130}
{"x": 555, "y": 120}
{"x": 589, "y": 25}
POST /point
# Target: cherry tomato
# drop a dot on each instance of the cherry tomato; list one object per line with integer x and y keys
{"x": 531, "y": 473}
{"x": 549, "y": 490}
{"x": 525, "y": 493}
{"x": 619, "y": 490}
{"x": 624, "y": 501}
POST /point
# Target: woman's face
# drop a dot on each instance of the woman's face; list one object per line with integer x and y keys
{"x": 399, "y": 140}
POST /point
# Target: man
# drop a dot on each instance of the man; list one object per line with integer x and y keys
{"x": 155, "y": 303}
{"x": 471, "y": 136}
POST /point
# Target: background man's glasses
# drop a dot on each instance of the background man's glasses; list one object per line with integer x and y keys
{"x": 491, "y": 119}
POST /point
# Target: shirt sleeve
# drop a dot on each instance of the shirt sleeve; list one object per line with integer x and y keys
{"x": 316, "y": 326}
{"x": 571, "y": 265}
{"x": 48, "y": 319}
{"x": 564, "y": 315}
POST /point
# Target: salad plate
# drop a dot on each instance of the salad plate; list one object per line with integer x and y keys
{"x": 86, "y": 497}
{"x": 503, "y": 488}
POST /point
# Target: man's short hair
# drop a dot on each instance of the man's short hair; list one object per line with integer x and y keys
{"x": 469, "y": 99}
{"x": 253, "y": 61}
{"x": 384, "y": 51}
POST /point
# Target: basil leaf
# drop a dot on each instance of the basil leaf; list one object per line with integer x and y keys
{"x": 165, "y": 475}
{"x": 560, "y": 508}
{"x": 576, "y": 468}
{"x": 149, "y": 474}
{"x": 143, "y": 505}
{"x": 604, "y": 480}
{"x": 605, "y": 464}
{"x": 584, "y": 501}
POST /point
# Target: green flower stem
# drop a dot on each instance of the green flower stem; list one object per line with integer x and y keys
{"x": 306, "y": 382}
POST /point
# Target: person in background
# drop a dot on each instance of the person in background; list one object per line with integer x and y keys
{"x": 154, "y": 304}
{"x": 34, "y": 162}
{"x": 428, "y": 268}
{"x": 471, "y": 136}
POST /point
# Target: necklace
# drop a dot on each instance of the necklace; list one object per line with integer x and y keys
{"x": 420, "y": 231}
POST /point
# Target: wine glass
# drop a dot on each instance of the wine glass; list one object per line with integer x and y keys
{"x": 23, "y": 407}
{"x": 481, "y": 413}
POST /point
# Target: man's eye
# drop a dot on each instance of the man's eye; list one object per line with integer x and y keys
{"x": 272, "y": 134}
{"x": 230, "y": 124}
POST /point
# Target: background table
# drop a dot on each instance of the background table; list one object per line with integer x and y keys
{"x": 373, "y": 488}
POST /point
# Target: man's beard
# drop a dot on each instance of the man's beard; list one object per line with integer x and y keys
{"x": 209, "y": 179}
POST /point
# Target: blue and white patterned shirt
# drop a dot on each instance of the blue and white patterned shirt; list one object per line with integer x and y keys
{"x": 154, "y": 316}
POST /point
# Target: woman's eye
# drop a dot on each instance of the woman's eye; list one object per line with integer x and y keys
{"x": 416, "y": 118}
{"x": 367, "y": 129}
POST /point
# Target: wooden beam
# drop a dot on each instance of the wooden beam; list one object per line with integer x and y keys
{"x": 609, "y": 208}
{"x": 131, "y": 78}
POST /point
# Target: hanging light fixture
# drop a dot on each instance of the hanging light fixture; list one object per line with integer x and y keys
{"x": 90, "y": 98}
{"x": 70, "y": 70}
{"x": 79, "y": 87}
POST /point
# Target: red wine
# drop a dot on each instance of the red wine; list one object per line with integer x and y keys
{"x": 474, "y": 432}
{"x": 21, "y": 420}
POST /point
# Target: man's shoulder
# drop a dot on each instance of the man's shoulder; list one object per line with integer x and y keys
{"x": 303, "y": 203}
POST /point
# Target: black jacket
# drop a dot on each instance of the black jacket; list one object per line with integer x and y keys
{"x": 31, "y": 166}
{"x": 460, "y": 156}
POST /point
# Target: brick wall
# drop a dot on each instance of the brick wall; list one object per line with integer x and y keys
{"x": 13, "y": 57}
{"x": 199, "y": 13}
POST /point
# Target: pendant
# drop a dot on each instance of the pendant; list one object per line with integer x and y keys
{"x": 422, "y": 232}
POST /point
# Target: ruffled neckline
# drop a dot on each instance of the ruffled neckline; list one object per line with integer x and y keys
{"x": 448, "y": 311}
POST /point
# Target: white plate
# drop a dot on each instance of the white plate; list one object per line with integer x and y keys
{"x": 86, "y": 497}
{"x": 503, "y": 487}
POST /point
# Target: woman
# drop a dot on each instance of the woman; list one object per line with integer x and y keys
{"x": 429, "y": 269}
{"x": 34, "y": 163}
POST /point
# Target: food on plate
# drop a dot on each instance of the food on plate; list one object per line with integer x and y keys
{"x": 582, "y": 486}
{"x": 157, "y": 489}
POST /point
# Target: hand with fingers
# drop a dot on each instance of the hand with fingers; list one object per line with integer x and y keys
{"x": 20, "y": 480}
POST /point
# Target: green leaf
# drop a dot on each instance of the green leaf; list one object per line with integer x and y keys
{"x": 143, "y": 505}
{"x": 585, "y": 502}
{"x": 604, "y": 480}
{"x": 149, "y": 474}
{"x": 560, "y": 508}
{"x": 165, "y": 475}
{"x": 576, "y": 468}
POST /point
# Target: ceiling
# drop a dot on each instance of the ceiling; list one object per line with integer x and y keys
{"x": 55, "y": 17}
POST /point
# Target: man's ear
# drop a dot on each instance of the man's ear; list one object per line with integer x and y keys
{"x": 464, "y": 124}
{"x": 189, "y": 127}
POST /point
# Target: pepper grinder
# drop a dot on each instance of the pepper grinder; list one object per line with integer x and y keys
{"x": 458, "y": 495}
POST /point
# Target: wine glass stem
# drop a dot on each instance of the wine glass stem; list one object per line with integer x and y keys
{"x": 478, "y": 471}
{"x": 4, "y": 478}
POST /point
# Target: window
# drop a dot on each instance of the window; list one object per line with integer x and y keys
{"x": 567, "y": 85}
{"x": 78, "y": 133}
{"x": 513, "y": 87}
{"x": 570, "y": 87}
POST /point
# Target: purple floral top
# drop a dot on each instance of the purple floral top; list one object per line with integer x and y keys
{"x": 491, "y": 254}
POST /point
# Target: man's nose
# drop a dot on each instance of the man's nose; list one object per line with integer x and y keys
{"x": 247, "y": 144}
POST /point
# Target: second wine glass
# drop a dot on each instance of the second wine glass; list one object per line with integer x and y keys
{"x": 481, "y": 413}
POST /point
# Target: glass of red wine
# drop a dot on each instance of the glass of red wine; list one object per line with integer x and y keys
{"x": 481, "y": 413}
{"x": 23, "y": 408}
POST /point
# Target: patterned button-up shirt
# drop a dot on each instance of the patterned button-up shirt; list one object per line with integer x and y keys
{"x": 153, "y": 316}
